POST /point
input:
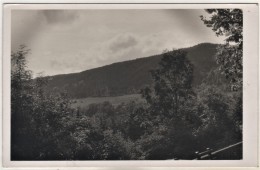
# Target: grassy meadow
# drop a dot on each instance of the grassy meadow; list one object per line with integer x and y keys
{"x": 114, "y": 100}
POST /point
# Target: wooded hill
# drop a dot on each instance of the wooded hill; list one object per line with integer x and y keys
{"x": 128, "y": 77}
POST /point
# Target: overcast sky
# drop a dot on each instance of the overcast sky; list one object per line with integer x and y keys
{"x": 66, "y": 41}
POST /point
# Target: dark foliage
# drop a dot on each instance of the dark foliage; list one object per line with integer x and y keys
{"x": 229, "y": 23}
{"x": 174, "y": 122}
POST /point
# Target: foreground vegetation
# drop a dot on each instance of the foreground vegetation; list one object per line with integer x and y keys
{"x": 173, "y": 121}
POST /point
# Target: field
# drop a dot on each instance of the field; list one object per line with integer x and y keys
{"x": 116, "y": 100}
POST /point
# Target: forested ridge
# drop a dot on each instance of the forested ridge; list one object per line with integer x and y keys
{"x": 129, "y": 77}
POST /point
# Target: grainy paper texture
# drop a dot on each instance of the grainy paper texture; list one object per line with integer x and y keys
{"x": 71, "y": 38}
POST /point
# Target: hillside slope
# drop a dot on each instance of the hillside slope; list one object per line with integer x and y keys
{"x": 128, "y": 77}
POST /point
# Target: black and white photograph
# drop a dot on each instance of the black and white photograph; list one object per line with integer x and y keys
{"x": 126, "y": 84}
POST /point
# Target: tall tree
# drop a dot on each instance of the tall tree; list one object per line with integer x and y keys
{"x": 173, "y": 106}
{"x": 21, "y": 100}
{"x": 172, "y": 83}
{"x": 228, "y": 23}
{"x": 37, "y": 127}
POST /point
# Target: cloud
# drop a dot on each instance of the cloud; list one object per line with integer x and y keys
{"x": 28, "y": 24}
{"x": 127, "y": 46}
{"x": 59, "y": 16}
{"x": 25, "y": 26}
{"x": 123, "y": 42}
{"x": 65, "y": 41}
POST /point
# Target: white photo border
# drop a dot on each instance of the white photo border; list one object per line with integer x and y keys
{"x": 250, "y": 85}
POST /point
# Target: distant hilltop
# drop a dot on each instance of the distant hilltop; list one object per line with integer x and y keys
{"x": 129, "y": 77}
